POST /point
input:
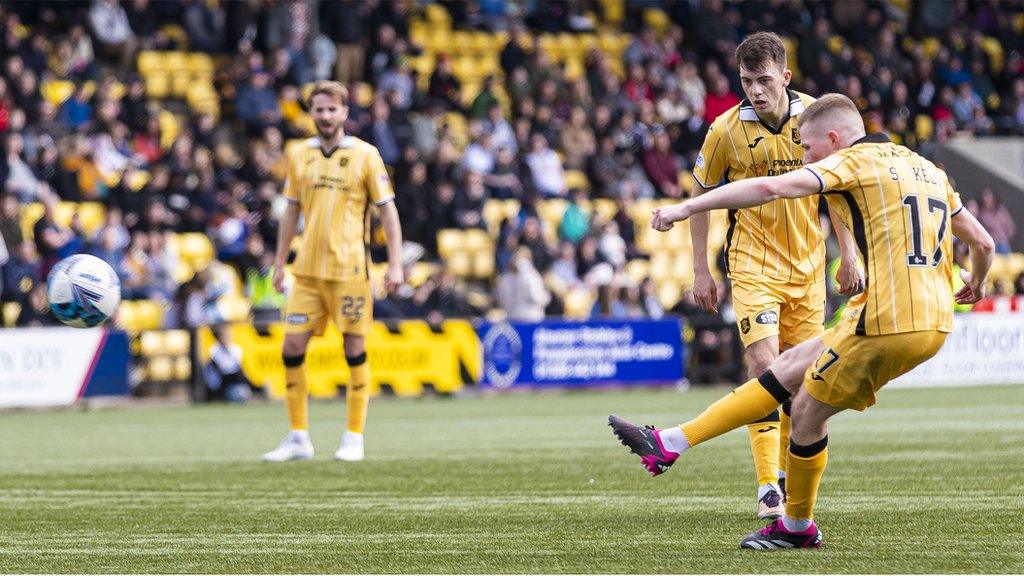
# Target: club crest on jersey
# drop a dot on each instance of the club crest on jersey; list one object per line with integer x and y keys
{"x": 767, "y": 317}
{"x": 796, "y": 136}
{"x": 745, "y": 325}
{"x": 343, "y": 161}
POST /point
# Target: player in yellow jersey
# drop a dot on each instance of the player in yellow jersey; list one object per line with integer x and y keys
{"x": 333, "y": 180}
{"x": 901, "y": 209}
{"x": 775, "y": 254}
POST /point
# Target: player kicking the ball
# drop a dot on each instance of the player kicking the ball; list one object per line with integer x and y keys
{"x": 900, "y": 208}
{"x": 332, "y": 180}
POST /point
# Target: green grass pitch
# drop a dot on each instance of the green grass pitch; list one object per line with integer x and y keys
{"x": 927, "y": 481}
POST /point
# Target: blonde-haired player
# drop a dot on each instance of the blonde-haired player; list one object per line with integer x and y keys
{"x": 901, "y": 209}
{"x": 333, "y": 180}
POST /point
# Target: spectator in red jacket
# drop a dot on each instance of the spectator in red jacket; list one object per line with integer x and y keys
{"x": 661, "y": 166}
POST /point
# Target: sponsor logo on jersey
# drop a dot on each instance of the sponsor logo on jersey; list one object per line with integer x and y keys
{"x": 700, "y": 160}
{"x": 296, "y": 319}
{"x": 767, "y": 317}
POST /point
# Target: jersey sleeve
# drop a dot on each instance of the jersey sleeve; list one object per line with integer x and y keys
{"x": 713, "y": 161}
{"x": 837, "y": 172}
{"x": 953, "y": 199}
{"x": 376, "y": 179}
{"x": 291, "y": 181}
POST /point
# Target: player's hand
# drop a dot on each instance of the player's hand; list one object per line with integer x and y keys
{"x": 663, "y": 218}
{"x": 279, "y": 280}
{"x": 972, "y": 291}
{"x": 850, "y": 279}
{"x": 393, "y": 278}
{"x": 705, "y": 291}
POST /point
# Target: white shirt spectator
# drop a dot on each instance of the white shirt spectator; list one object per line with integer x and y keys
{"x": 521, "y": 292}
{"x": 109, "y": 22}
{"x": 546, "y": 168}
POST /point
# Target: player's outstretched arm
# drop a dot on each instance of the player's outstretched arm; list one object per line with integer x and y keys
{"x": 705, "y": 292}
{"x": 741, "y": 194}
{"x": 967, "y": 228}
{"x": 393, "y": 231}
{"x": 289, "y": 224}
{"x": 849, "y": 276}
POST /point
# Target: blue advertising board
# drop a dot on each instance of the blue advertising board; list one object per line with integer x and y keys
{"x": 581, "y": 354}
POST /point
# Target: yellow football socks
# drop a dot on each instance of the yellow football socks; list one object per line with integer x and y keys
{"x": 357, "y": 397}
{"x": 296, "y": 395}
{"x": 803, "y": 474}
{"x": 750, "y": 402}
{"x": 783, "y": 438}
{"x": 764, "y": 445}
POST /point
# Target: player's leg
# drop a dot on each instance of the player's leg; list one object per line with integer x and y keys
{"x": 808, "y": 456}
{"x": 353, "y": 317}
{"x": 659, "y": 448}
{"x": 357, "y": 398}
{"x": 764, "y": 434}
{"x": 802, "y": 319}
{"x": 304, "y": 316}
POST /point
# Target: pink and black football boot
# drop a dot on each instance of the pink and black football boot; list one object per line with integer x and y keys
{"x": 644, "y": 442}
{"x": 775, "y": 537}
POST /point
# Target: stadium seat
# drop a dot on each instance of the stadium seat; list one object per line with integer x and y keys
{"x": 151, "y": 343}
{"x": 169, "y": 128}
{"x": 234, "y": 307}
{"x": 150, "y": 314}
{"x": 658, "y": 20}
{"x": 576, "y": 179}
{"x": 196, "y": 248}
{"x": 158, "y": 85}
{"x": 449, "y": 241}
{"x": 91, "y": 216}
{"x": 182, "y": 368}
{"x": 668, "y": 294}
{"x": 30, "y": 214}
{"x": 637, "y": 270}
{"x": 11, "y": 311}
{"x": 435, "y": 13}
{"x": 57, "y": 91}
{"x": 578, "y": 303}
{"x": 150, "y": 61}
{"x": 176, "y": 342}
{"x": 160, "y": 369}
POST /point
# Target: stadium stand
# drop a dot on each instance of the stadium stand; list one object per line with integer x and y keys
{"x": 162, "y": 149}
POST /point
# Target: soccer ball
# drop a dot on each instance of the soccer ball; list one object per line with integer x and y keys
{"x": 83, "y": 291}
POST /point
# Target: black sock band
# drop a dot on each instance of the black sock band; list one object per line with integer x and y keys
{"x": 294, "y": 361}
{"x": 787, "y": 406}
{"x": 808, "y": 451}
{"x": 357, "y": 360}
{"x": 772, "y": 418}
{"x": 773, "y": 386}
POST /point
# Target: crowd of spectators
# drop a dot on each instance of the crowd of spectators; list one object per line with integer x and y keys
{"x": 525, "y": 132}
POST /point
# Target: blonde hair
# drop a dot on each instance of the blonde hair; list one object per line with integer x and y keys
{"x": 837, "y": 111}
{"x": 330, "y": 88}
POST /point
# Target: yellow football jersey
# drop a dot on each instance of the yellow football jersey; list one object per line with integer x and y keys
{"x": 334, "y": 192}
{"x": 898, "y": 206}
{"x": 781, "y": 240}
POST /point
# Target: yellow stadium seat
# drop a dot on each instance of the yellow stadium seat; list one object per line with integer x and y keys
{"x": 437, "y": 14}
{"x": 493, "y": 213}
{"x": 552, "y": 210}
{"x": 1015, "y": 262}
{"x": 150, "y": 61}
{"x": 150, "y": 314}
{"x": 182, "y": 368}
{"x": 662, "y": 265}
{"x": 578, "y": 303}
{"x": 419, "y": 273}
{"x": 127, "y": 313}
{"x": 657, "y": 20}
{"x": 477, "y": 240}
{"x": 30, "y": 214}
{"x": 11, "y": 311}
{"x": 637, "y": 270}
{"x": 460, "y": 264}
{"x": 159, "y": 369}
{"x": 176, "y": 342}
{"x": 614, "y": 11}
{"x": 201, "y": 65}
{"x": 91, "y": 215}
{"x": 57, "y": 91}
{"x": 483, "y": 264}
{"x": 196, "y": 248}
{"x": 183, "y": 272}
{"x": 449, "y": 241}
{"x": 669, "y": 293}
{"x": 931, "y": 47}
{"x": 924, "y": 127}
{"x": 169, "y": 128}
{"x": 605, "y": 208}
{"x": 151, "y": 343}
{"x": 176, "y": 61}
{"x": 234, "y": 307}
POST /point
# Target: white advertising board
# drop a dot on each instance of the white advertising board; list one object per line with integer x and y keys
{"x": 983, "y": 349}
{"x": 46, "y": 366}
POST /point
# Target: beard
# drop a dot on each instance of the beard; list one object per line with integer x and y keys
{"x": 327, "y": 133}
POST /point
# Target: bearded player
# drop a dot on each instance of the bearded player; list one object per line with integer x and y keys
{"x": 333, "y": 180}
